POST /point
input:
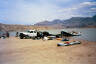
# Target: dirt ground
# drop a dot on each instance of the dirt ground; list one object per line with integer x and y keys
{"x": 27, "y": 51}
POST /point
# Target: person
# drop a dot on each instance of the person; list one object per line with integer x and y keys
{"x": 16, "y": 34}
{"x": 7, "y": 34}
{"x": 0, "y": 35}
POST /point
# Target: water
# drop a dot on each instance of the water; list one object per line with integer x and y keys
{"x": 11, "y": 33}
{"x": 87, "y": 34}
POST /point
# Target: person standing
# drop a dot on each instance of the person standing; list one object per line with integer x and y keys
{"x": 7, "y": 34}
{"x": 16, "y": 34}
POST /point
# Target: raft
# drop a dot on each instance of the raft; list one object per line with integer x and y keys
{"x": 58, "y": 38}
{"x": 70, "y": 43}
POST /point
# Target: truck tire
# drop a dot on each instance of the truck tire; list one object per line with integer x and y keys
{"x": 21, "y": 35}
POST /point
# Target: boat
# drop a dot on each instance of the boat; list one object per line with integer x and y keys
{"x": 76, "y": 34}
{"x": 73, "y": 33}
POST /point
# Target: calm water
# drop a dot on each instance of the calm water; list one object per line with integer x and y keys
{"x": 87, "y": 34}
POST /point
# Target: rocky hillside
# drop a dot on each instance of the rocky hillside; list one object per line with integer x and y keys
{"x": 9, "y": 27}
{"x": 74, "y": 22}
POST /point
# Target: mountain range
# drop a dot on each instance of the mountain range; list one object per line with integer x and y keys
{"x": 74, "y": 22}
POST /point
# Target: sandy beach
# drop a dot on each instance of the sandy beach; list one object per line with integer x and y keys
{"x": 27, "y": 51}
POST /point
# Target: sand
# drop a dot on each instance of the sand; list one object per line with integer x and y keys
{"x": 27, "y": 51}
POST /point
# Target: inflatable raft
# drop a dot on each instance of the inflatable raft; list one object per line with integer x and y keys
{"x": 69, "y": 43}
{"x": 58, "y": 38}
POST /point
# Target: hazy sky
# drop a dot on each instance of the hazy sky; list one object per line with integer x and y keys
{"x": 33, "y": 11}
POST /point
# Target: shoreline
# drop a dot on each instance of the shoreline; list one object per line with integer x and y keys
{"x": 27, "y": 51}
{"x": 46, "y": 28}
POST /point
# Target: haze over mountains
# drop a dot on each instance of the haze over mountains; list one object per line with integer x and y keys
{"x": 74, "y": 22}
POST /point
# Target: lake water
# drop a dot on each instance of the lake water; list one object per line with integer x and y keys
{"x": 87, "y": 34}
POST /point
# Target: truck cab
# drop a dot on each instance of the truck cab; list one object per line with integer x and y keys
{"x": 32, "y": 33}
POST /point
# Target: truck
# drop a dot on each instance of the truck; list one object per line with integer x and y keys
{"x": 28, "y": 34}
{"x": 34, "y": 34}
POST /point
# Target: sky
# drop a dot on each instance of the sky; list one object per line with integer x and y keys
{"x": 34, "y": 11}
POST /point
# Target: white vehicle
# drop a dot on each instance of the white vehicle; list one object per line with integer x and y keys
{"x": 29, "y": 33}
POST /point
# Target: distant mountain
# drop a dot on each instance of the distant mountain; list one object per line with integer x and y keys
{"x": 49, "y": 23}
{"x": 94, "y": 17}
{"x": 74, "y": 22}
{"x": 11, "y": 27}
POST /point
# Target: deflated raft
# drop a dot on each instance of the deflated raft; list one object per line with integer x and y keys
{"x": 69, "y": 43}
